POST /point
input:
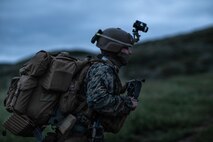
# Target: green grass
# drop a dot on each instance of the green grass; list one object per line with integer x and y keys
{"x": 170, "y": 110}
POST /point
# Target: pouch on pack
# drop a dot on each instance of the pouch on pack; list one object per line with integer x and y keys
{"x": 37, "y": 65}
{"x": 61, "y": 72}
{"x": 11, "y": 93}
{"x": 21, "y": 88}
{"x": 42, "y": 104}
{"x": 72, "y": 100}
{"x": 19, "y": 93}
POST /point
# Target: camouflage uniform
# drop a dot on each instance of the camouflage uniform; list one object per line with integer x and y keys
{"x": 102, "y": 91}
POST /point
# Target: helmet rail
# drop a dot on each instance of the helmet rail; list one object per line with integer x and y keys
{"x": 138, "y": 26}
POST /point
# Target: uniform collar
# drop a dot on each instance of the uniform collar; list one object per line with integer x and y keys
{"x": 110, "y": 62}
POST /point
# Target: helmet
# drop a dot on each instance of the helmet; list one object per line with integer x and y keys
{"x": 113, "y": 40}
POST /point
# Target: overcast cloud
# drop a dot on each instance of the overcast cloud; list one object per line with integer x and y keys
{"x": 27, "y": 26}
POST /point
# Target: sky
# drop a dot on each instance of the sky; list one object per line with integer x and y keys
{"x": 27, "y": 26}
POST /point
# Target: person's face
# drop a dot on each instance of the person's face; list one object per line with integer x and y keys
{"x": 126, "y": 51}
{"x": 124, "y": 55}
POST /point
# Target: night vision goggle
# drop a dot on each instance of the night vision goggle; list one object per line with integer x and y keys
{"x": 138, "y": 26}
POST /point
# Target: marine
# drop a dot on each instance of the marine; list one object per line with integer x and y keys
{"x": 103, "y": 88}
{"x": 81, "y": 99}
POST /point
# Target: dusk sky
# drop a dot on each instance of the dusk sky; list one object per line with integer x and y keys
{"x": 27, "y": 26}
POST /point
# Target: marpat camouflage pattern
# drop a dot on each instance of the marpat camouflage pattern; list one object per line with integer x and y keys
{"x": 102, "y": 86}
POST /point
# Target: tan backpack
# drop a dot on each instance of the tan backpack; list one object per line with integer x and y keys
{"x": 45, "y": 82}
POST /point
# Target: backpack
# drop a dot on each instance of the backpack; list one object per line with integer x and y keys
{"x": 45, "y": 82}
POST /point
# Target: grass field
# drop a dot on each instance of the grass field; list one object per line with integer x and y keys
{"x": 172, "y": 110}
{"x": 178, "y": 109}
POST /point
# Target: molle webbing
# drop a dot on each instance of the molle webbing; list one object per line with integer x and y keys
{"x": 19, "y": 125}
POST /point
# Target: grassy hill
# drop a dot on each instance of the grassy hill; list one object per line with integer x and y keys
{"x": 178, "y": 109}
{"x": 174, "y": 106}
{"x": 184, "y": 54}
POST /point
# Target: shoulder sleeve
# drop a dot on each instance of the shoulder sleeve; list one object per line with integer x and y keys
{"x": 100, "y": 82}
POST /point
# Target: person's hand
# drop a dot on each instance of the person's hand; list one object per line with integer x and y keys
{"x": 134, "y": 103}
